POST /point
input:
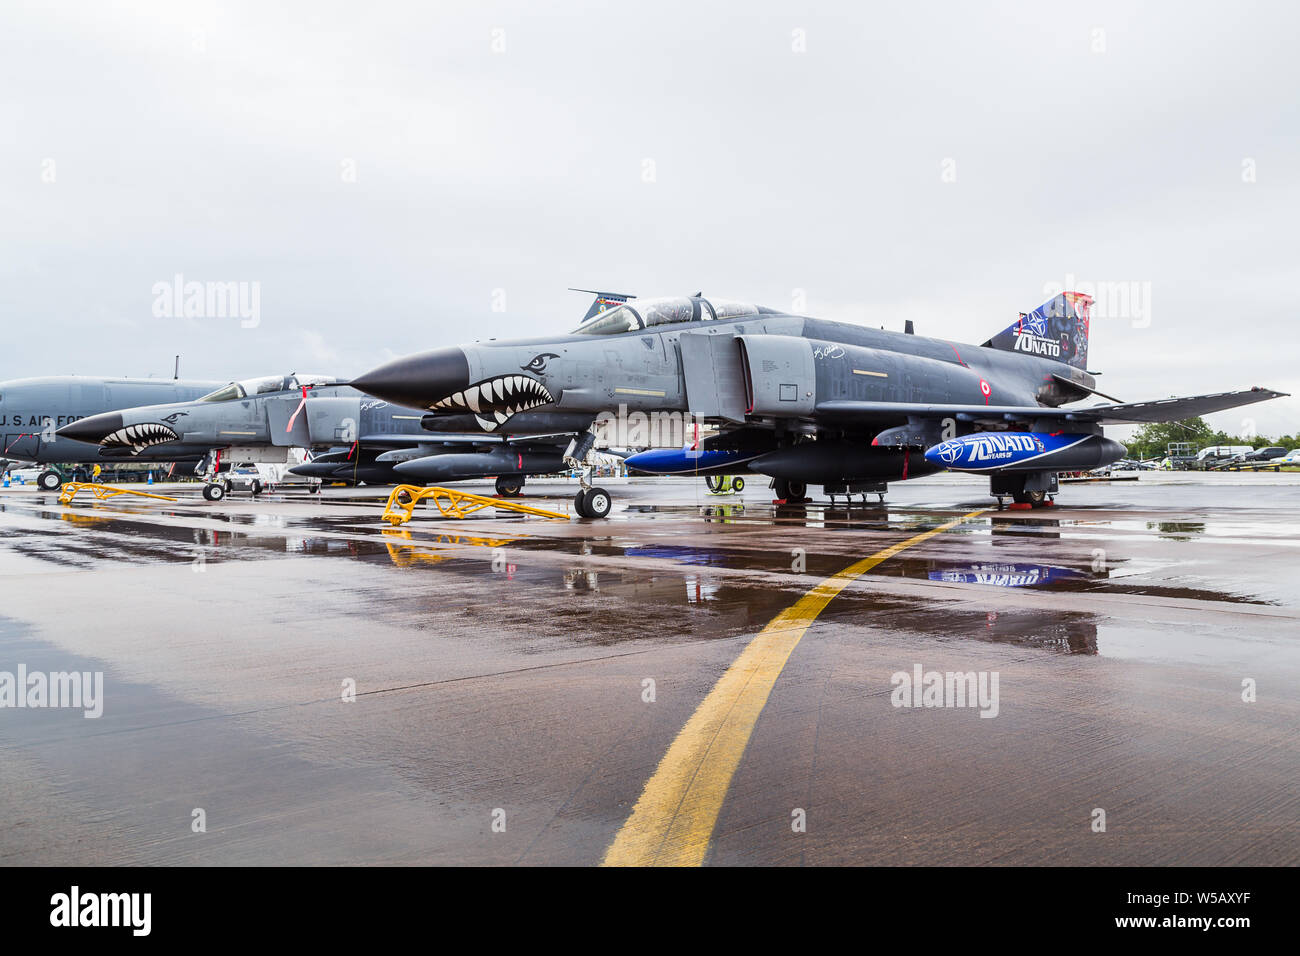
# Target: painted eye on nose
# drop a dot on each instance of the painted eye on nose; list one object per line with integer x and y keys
{"x": 538, "y": 362}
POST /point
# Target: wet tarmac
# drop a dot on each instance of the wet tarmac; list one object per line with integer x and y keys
{"x": 316, "y": 688}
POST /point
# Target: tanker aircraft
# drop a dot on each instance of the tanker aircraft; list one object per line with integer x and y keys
{"x": 33, "y": 409}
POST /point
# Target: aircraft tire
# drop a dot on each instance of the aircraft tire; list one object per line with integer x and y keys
{"x": 598, "y": 503}
{"x": 49, "y": 480}
{"x": 580, "y": 503}
{"x": 510, "y": 487}
{"x": 214, "y": 491}
{"x": 798, "y": 491}
{"x": 1034, "y": 499}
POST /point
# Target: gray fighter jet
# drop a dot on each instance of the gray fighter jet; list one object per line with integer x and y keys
{"x": 33, "y": 409}
{"x": 358, "y": 439}
{"x": 355, "y": 439}
{"x": 800, "y": 399}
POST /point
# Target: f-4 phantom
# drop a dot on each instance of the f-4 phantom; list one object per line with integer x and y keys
{"x": 32, "y": 410}
{"x": 800, "y": 399}
{"x": 358, "y": 439}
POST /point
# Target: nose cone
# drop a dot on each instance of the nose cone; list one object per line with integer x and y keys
{"x": 417, "y": 380}
{"x": 93, "y": 429}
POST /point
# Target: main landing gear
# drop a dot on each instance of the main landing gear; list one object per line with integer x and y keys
{"x": 510, "y": 486}
{"x": 49, "y": 480}
{"x": 1033, "y": 489}
{"x": 789, "y": 492}
{"x": 214, "y": 491}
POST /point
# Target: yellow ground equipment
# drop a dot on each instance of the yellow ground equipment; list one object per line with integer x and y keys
{"x": 452, "y": 504}
{"x": 103, "y": 491}
{"x": 406, "y": 552}
{"x": 725, "y": 484}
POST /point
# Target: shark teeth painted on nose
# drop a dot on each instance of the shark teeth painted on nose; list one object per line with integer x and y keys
{"x": 139, "y": 437}
{"x": 495, "y": 400}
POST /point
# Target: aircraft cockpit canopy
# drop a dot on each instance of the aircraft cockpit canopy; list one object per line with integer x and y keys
{"x": 265, "y": 385}
{"x": 641, "y": 314}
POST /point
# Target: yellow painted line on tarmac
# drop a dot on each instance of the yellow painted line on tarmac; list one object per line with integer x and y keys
{"x": 672, "y": 823}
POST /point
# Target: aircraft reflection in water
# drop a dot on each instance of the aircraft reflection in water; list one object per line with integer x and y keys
{"x": 1005, "y": 575}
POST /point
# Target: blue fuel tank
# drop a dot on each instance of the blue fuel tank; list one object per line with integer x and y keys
{"x": 1025, "y": 451}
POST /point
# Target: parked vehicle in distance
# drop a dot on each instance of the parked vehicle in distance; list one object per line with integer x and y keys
{"x": 245, "y": 477}
{"x": 1218, "y": 454}
{"x": 1266, "y": 454}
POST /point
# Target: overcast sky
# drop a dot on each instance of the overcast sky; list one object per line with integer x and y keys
{"x": 386, "y": 173}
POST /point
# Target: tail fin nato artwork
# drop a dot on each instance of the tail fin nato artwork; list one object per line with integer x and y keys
{"x": 1057, "y": 329}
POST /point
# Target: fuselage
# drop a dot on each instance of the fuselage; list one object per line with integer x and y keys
{"x": 650, "y": 370}
{"x": 33, "y": 409}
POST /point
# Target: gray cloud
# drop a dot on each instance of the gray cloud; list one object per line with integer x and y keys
{"x": 211, "y": 141}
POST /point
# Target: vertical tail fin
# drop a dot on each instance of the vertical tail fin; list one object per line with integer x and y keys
{"x": 1057, "y": 329}
{"x": 603, "y": 301}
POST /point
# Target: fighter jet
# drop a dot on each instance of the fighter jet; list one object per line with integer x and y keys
{"x": 800, "y": 399}
{"x": 33, "y": 409}
{"x": 358, "y": 439}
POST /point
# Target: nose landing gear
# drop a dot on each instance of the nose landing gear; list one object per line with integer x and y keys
{"x": 589, "y": 502}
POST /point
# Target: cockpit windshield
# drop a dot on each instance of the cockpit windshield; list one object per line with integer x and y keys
{"x": 264, "y": 386}
{"x": 644, "y": 313}
{"x": 612, "y": 322}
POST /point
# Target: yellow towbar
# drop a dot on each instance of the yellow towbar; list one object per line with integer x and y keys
{"x": 452, "y": 504}
{"x": 103, "y": 491}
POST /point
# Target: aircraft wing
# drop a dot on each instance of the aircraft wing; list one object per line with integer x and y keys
{"x": 450, "y": 438}
{"x": 1157, "y": 410}
{"x": 429, "y": 438}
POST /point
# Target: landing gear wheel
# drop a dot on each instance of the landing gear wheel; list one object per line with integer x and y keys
{"x": 797, "y": 490}
{"x": 738, "y": 485}
{"x": 214, "y": 491}
{"x": 49, "y": 480}
{"x": 510, "y": 487}
{"x": 580, "y": 503}
{"x": 1034, "y": 499}
{"x": 597, "y": 503}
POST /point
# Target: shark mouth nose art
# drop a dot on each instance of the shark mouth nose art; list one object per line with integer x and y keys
{"x": 139, "y": 437}
{"x": 497, "y": 399}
